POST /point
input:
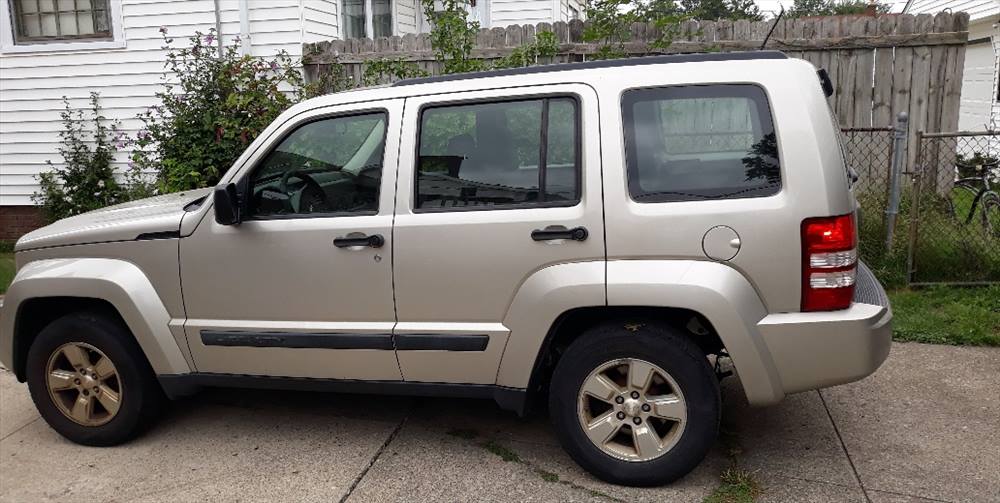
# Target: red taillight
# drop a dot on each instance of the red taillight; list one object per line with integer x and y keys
{"x": 829, "y": 262}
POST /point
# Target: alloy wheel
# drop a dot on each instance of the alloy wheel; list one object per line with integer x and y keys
{"x": 83, "y": 384}
{"x": 631, "y": 409}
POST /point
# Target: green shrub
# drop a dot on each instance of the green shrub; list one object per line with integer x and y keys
{"x": 86, "y": 181}
{"x": 382, "y": 70}
{"x": 452, "y": 35}
{"x": 212, "y": 106}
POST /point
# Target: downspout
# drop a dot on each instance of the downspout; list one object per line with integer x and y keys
{"x": 244, "y": 27}
{"x": 218, "y": 26}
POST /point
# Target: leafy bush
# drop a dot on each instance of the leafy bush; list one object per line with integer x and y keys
{"x": 212, "y": 106}
{"x": 543, "y": 48}
{"x": 87, "y": 179}
{"x": 452, "y": 35}
{"x": 610, "y": 24}
{"x": 377, "y": 71}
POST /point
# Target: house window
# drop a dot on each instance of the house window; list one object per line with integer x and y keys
{"x": 37, "y": 21}
{"x": 367, "y": 18}
{"x": 573, "y": 12}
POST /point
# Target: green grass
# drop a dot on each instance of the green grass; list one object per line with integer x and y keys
{"x": 6, "y": 270}
{"x": 738, "y": 486}
{"x": 948, "y": 250}
{"x": 947, "y": 315}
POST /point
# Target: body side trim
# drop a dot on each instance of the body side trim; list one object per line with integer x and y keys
{"x": 296, "y": 340}
{"x": 434, "y": 342}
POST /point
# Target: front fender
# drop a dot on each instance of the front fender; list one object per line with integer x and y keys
{"x": 118, "y": 282}
{"x": 722, "y": 295}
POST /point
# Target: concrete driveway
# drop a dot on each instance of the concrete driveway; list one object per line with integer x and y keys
{"x": 926, "y": 427}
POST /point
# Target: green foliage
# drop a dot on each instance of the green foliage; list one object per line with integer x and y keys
{"x": 332, "y": 79}
{"x": 6, "y": 270}
{"x": 382, "y": 70}
{"x": 543, "y": 47}
{"x": 947, "y": 249}
{"x": 212, "y": 106}
{"x": 722, "y": 9}
{"x": 610, "y": 24}
{"x": 505, "y": 453}
{"x": 738, "y": 486}
{"x": 974, "y": 165}
{"x": 452, "y": 35}
{"x": 87, "y": 180}
{"x": 947, "y": 315}
{"x": 802, "y": 8}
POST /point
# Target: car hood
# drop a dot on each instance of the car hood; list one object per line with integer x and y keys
{"x": 155, "y": 217}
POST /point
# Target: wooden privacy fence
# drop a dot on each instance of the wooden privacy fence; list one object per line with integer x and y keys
{"x": 879, "y": 66}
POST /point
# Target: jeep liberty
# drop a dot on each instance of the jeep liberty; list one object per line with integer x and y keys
{"x": 592, "y": 234}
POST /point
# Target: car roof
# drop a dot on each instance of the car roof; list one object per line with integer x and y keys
{"x": 544, "y": 74}
{"x": 605, "y": 63}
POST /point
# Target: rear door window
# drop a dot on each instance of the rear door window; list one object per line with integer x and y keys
{"x": 689, "y": 143}
{"x": 492, "y": 155}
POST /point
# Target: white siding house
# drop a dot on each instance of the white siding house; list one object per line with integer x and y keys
{"x": 48, "y": 50}
{"x": 980, "y": 107}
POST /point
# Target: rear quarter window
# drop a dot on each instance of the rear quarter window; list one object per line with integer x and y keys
{"x": 689, "y": 143}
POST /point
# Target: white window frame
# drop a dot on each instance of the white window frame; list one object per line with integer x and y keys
{"x": 7, "y": 45}
{"x": 369, "y": 18}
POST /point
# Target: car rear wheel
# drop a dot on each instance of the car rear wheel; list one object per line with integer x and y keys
{"x": 635, "y": 403}
{"x": 90, "y": 381}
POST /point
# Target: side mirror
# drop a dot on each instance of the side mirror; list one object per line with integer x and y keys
{"x": 227, "y": 204}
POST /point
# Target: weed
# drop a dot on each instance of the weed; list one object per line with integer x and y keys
{"x": 738, "y": 486}
{"x": 505, "y": 453}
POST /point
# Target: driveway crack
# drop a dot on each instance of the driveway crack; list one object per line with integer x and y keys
{"x": 19, "y": 428}
{"x": 843, "y": 446}
{"x": 378, "y": 453}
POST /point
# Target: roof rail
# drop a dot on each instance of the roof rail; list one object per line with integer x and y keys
{"x": 604, "y": 63}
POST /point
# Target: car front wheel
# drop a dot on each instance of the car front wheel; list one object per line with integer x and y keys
{"x": 635, "y": 403}
{"x": 90, "y": 381}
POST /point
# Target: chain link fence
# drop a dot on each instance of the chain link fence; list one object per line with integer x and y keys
{"x": 954, "y": 232}
{"x": 869, "y": 153}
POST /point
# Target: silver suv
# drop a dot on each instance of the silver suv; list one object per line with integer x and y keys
{"x": 596, "y": 235}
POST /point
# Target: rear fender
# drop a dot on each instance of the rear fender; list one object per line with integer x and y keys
{"x": 721, "y": 294}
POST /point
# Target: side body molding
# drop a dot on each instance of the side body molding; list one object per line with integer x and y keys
{"x": 118, "y": 282}
{"x": 717, "y": 291}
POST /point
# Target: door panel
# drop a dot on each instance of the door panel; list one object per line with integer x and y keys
{"x": 275, "y": 295}
{"x": 463, "y": 227}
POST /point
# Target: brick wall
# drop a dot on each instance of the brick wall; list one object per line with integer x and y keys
{"x": 16, "y": 221}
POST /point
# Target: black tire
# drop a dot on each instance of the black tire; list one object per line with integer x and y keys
{"x": 655, "y": 343}
{"x": 142, "y": 397}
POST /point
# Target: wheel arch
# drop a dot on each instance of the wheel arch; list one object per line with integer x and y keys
{"x": 571, "y": 324}
{"x": 45, "y": 290}
{"x": 674, "y": 291}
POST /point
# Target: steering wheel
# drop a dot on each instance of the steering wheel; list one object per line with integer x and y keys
{"x": 313, "y": 197}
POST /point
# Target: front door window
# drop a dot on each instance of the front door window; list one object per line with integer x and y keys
{"x": 328, "y": 166}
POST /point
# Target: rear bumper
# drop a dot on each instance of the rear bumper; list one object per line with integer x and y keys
{"x": 817, "y": 350}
